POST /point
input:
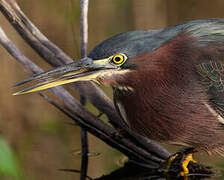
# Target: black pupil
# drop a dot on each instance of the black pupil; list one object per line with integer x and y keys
{"x": 117, "y": 59}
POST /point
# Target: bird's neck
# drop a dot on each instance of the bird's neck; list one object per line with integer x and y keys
{"x": 157, "y": 89}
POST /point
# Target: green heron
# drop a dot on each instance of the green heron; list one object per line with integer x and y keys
{"x": 168, "y": 84}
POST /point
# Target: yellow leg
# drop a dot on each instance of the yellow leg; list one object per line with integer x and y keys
{"x": 187, "y": 160}
{"x": 169, "y": 162}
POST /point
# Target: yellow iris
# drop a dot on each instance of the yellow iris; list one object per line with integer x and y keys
{"x": 118, "y": 59}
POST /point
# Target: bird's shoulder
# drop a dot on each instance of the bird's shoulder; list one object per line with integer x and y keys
{"x": 211, "y": 74}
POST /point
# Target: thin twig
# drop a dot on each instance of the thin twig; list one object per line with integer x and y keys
{"x": 84, "y": 27}
{"x": 84, "y": 42}
{"x": 85, "y": 150}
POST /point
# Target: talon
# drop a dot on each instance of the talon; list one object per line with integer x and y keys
{"x": 178, "y": 162}
{"x": 170, "y": 161}
{"x": 186, "y": 161}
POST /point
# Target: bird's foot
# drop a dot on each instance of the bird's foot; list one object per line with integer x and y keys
{"x": 181, "y": 159}
{"x": 186, "y": 160}
{"x": 181, "y": 165}
{"x": 170, "y": 161}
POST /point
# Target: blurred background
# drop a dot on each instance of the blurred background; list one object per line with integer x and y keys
{"x": 33, "y": 134}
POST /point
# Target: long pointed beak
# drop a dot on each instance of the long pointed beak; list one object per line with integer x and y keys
{"x": 82, "y": 70}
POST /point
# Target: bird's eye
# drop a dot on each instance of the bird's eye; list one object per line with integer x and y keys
{"x": 118, "y": 59}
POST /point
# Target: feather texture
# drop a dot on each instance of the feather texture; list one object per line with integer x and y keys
{"x": 172, "y": 86}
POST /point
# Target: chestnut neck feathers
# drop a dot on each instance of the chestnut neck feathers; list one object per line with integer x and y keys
{"x": 167, "y": 95}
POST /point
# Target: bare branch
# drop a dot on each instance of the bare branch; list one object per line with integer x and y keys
{"x": 84, "y": 27}
{"x": 84, "y": 42}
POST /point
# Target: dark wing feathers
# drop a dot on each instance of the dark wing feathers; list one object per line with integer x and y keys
{"x": 211, "y": 75}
